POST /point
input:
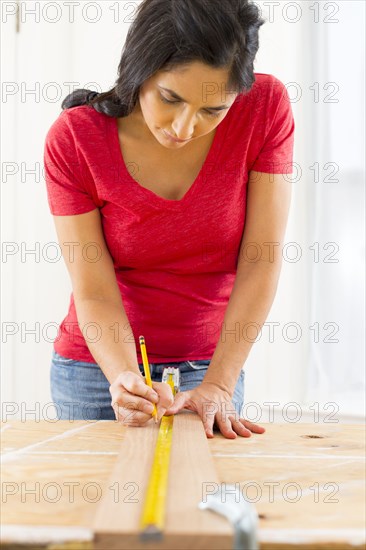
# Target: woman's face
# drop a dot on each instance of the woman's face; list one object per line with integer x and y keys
{"x": 205, "y": 101}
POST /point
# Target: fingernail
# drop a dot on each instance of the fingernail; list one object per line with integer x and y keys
{"x": 154, "y": 397}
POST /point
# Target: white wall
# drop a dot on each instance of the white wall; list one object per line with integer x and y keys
{"x": 312, "y": 46}
{"x": 301, "y": 52}
{"x": 53, "y": 59}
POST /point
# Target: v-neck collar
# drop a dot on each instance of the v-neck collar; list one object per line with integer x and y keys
{"x": 141, "y": 192}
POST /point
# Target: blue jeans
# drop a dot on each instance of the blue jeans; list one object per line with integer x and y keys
{"x": 80, "y": 390}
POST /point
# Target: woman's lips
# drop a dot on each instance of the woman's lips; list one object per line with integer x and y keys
{"x": 175, "y": 139}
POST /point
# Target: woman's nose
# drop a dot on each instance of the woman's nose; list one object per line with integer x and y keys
{"x": 184, "y": 127}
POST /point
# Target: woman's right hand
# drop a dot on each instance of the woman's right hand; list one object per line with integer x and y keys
{"x": 133, "y": 399}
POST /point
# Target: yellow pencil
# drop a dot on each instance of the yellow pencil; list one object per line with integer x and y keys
{"x": 145, "y": 362}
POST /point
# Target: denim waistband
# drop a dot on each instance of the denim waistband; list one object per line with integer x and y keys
{"x": 184, "y": 366}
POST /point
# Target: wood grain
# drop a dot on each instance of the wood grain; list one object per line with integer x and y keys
{"x": 83, "y": 452}
{"x": 191, "y": 466}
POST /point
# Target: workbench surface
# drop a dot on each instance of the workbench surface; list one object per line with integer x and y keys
{"x": 305, "y": 480}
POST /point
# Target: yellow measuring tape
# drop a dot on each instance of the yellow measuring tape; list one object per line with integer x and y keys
{"x": 153, "y": 514}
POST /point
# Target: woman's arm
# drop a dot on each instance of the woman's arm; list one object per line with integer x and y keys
{"x": 268, "y": 201}
{"x": 247, "y": 310}
{"x": 259, "y": 267}
{"x": 98, "y": 301}
{"x": 98, "y": 304}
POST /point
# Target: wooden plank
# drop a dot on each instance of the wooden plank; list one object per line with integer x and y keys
{"x": 306, "y": 481}
{"x": 117, "y": 520}
{"x": 74, "y": 458}
{"x": 86, "y": 452}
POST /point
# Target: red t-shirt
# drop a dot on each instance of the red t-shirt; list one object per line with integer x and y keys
{"x": 175, "y": 261}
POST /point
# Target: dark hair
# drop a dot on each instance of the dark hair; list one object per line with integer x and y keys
{"x": 169, "y": 33}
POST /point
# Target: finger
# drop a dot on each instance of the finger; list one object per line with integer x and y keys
{"x": 224, "y": 423}
{"x": 165, "y": 393}
{"x": 255, "y": 428}
{"x": 130, "y": 416}
{"x": 133, "y": 402}
{"x": 179, "y": 402}
{"x": 239, "y": 428}
{"x": 138, "y": 404}
{"x": 208, "y": 419}
{"x": 136, "y": 385}
{"x": 208, "y": 428}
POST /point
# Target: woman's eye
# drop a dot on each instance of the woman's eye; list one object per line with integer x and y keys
{"x": 164, "y": 100}
{"x": 209, "y": 113}
{"x": 213, "y": 114}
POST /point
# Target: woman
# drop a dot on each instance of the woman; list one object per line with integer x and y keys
{"x": 151, "y": 185}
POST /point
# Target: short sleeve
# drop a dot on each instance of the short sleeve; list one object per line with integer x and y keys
{"x": 65, "y": 173}
{"x": 276, "y": 154}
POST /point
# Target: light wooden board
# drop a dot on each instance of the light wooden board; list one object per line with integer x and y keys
{"x": 191, "y": 467}
{"x": 86, "y": 453}
{"x": 326, "y": 462}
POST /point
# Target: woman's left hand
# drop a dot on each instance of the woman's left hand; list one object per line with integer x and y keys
{"x": 214, "y": 405}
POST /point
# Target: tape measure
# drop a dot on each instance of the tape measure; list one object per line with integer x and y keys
{"x": 153, "y": 514}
